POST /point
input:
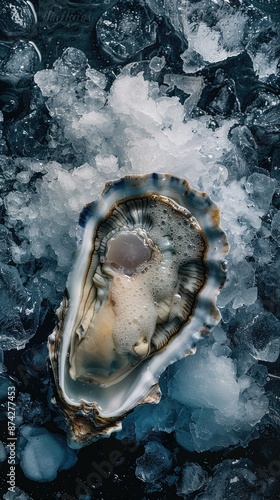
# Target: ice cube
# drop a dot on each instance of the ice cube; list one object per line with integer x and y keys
{"x": 275, "y": 227}
{"x": 3, "y": 452}
{"x": 154, "y": 464}
{"x": 21, "y": 62}
{"x": 125, "y": 29}
{"x": 211, "y": 382}
{"x": 157, "y": 63}
{"x": 18, "y": 17}
{"x": 262, "y": 189}
{"x": 26, "y": 134}
{"x": 19, "y": 310}
{"x": 261, "y": 337}
{"x": 43, "y": 454}
{"x": 16, "y": 494}
{"x": 232, "y": 479}
{"x": 193, "y": 478}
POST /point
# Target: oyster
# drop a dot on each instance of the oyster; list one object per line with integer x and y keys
{"x": 142, "y": 291}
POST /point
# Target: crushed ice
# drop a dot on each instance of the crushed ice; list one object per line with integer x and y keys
{"x": 219, "y": 142}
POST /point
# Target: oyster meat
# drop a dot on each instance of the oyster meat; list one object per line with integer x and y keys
{"x": 142, "y": 291}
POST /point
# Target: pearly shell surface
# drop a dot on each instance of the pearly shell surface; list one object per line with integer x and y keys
{"x": 142, "y": 291}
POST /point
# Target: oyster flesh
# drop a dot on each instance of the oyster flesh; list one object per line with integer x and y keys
{"x": 142, "y": 291}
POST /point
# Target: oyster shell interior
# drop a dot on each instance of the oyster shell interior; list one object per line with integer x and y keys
{"x": 142, "y": 290}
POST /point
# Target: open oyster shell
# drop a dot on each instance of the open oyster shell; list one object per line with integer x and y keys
{"x": 142, "y": 291}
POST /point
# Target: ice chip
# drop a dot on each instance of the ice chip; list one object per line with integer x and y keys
{"x": 125, "y": 29}
{"x": 154, "y": 464}
{"x": 261, "y": 337}
{"x": 43, "y": 454}
{"x": 18, "y": 17}
{"x": 3, "y": 452}
{"x": 5, "y": 382}
{"x": 20, "y": 63}
{"x": 26, "y": 134}
{"x": 205, "y": 380}
{"x": 157, "y": 63}
{"x": 193, "y": 478}
{"x": 275, "y": 227}
{"x": 16, "y": 494}
{"x": 245, "y": 297}
{"x": 212, "y": 51}
{"x": 237, "y": 477}
{"x": 19, "y": 310}
{"x": 262, "y": 189}
{"x": 5, "y": 244}
{"x": 72, "y": 64}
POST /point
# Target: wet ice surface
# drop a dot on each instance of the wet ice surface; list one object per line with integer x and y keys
{"x": 43, "y": 454}
{"x": 181, "y": 87}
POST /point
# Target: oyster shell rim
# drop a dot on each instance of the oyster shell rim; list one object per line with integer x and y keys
{"x": 103, "y": 424}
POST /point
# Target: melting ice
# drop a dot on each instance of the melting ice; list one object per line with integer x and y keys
{"x": 213, "y": 117}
